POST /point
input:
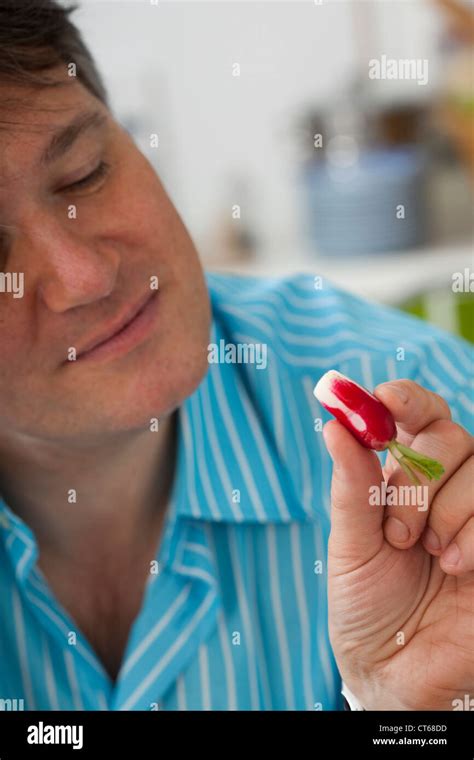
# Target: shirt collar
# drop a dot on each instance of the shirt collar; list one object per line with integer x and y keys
{"x": 228, "y": 468}
{"x": 19, "y": 541}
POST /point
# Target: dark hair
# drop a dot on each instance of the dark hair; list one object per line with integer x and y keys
{"x": 37, "y": 35}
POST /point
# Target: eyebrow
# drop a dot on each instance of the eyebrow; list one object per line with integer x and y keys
{"x": 63, "y": 139}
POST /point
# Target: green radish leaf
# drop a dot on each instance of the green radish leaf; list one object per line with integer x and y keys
{"x": 412, "y": 460}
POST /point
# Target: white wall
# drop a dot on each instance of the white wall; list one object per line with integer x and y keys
{"x": 171, "y": 65}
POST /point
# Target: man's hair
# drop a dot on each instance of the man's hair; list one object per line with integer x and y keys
{"x": 37, "y": 35}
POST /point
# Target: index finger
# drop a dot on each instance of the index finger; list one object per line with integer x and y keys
{"x": 412, "y": 406}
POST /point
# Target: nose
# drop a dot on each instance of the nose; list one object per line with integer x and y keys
{"x": 71, "y": 270}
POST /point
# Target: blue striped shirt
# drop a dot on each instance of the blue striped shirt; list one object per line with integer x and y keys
{"x": 236, "y": 616}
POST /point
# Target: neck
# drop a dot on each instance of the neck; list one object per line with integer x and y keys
{"x": 103, "y": 496}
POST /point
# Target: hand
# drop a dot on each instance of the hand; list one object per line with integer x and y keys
{"x": 401, "y": 609}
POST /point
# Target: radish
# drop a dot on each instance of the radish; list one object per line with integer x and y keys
{"x": 371, "y": 423}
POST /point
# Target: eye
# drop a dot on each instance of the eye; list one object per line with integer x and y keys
{"x": 91, "y": 179}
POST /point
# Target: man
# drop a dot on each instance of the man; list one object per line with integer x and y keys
{"x": 166, "y": 488}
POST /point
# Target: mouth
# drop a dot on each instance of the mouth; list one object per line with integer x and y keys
{"x": 127, "y": 333}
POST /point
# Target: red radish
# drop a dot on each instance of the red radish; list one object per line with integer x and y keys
{"x": 370, "y": 422}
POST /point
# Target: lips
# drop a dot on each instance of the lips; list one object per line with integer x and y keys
{"x": 113, "y": 330}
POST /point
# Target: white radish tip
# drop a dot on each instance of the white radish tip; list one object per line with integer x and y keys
{"x": 325, "y": 394}
{"x": 322, "y": 389}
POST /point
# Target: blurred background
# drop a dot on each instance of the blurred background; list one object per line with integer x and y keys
{"x": 328, "y": 136}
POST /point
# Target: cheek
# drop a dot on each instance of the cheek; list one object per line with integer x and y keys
{"x": 21, "y": 390}
{"x": 147, "y": 213}
{"x": 181, "y": 358}
{"x": 135, "y": 212}
{"x": 13, "y": 340}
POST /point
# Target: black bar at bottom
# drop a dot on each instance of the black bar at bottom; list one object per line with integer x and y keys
{"x": 150, "y": 734}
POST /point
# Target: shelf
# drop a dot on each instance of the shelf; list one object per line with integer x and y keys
{"x": 387, "y": 278}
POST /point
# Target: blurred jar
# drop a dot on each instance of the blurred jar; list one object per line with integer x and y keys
{"x": 366, "y": 201}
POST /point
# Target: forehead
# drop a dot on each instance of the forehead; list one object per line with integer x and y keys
{"x": 30, "y": 113}
{"x": 31, "y": 117}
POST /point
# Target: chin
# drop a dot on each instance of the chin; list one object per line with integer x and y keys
{"x": 150, "y": 393}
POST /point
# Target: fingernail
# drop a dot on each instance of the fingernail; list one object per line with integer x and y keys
{"x": 451, "y": 556}
{"x": 396, "y": 531}
{"x": 431, "y": 540}
{"x": 398, "y": 390}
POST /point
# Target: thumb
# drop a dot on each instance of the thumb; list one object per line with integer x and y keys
{"x": 356, "y": 523}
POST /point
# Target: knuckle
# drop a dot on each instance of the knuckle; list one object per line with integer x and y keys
{"x": 428, "y": 402}
{"x": 442, "y": 517}
{"x": 453, "y": 436}
{"x": 443, "y": 404}
{"x": 410, "y": 386}
{"x": 469, "y": 528}
{"x": 469, "y": 466}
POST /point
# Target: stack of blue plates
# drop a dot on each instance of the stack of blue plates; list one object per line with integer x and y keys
{"x": 353, "y": 211}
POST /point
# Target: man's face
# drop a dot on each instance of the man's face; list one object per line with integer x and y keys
{"x": 89, "y": 253}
